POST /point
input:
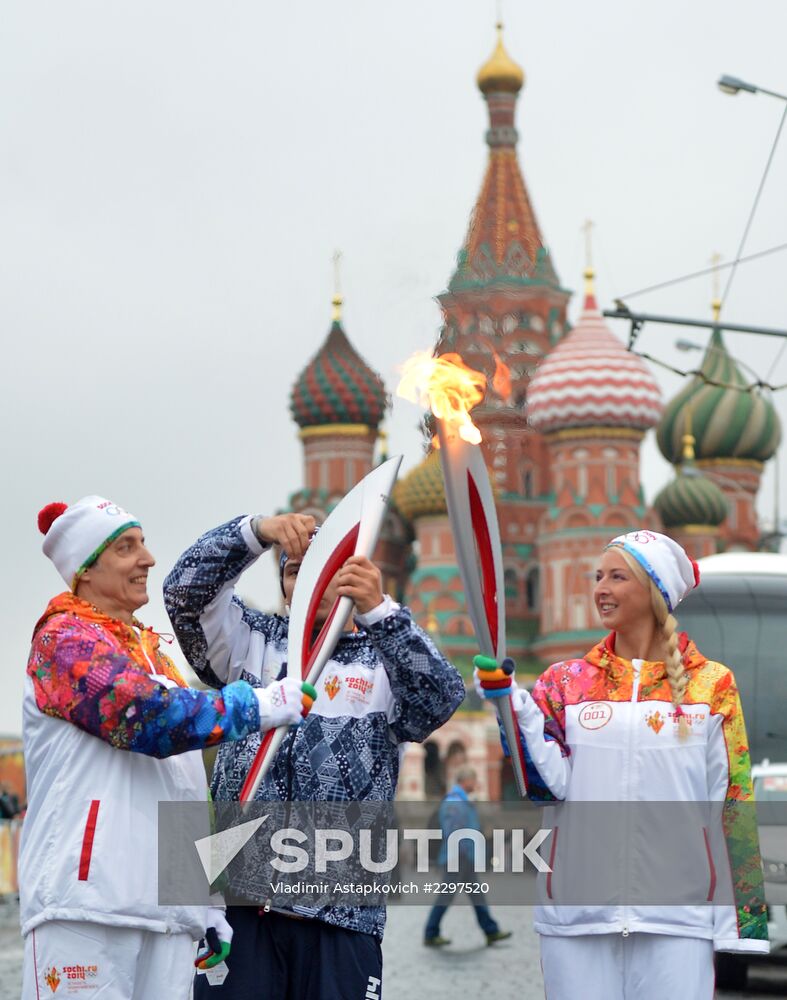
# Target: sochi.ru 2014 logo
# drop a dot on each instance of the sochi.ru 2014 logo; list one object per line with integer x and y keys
{"x": 595, "y": 715}
{"x": 52, "y": 979}
{"x": 655, "y": 720}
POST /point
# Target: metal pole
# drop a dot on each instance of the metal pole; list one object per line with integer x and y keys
{"x": 637, "y": 319}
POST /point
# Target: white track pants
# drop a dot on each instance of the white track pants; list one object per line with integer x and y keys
{"x": 637, "y": 967}
{"x": 67, "y": 958}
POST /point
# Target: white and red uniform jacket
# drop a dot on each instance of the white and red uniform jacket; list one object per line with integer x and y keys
{"x": 110, "y": 730}
{"x": 603, "y": 729}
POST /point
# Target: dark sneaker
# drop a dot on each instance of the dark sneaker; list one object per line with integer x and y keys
{"x": 439, "y": 942}
{"x": 496, "y": 936}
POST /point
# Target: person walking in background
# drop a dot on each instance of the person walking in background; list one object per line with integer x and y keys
{"x": 643, "y": 718}
{"x": 457, "y": 812}
{"x": 108, "y": 727}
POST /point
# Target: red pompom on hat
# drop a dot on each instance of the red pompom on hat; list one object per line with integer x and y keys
{"x": 47, "y": 515}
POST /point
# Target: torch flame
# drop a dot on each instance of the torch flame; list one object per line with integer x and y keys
{"x": 447, "y": 386}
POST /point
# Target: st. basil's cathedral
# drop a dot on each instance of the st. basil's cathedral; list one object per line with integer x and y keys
{"x": 563, "y": 450}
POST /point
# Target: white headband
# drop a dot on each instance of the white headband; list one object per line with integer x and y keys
{"x": 665, "y": 562}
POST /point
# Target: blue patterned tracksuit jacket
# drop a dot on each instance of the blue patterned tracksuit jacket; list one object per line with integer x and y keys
{"x": 385, "y": 685}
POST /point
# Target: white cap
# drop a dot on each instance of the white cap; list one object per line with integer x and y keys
{"x": 665, "y": 562}
{"x": 77, "y": 536}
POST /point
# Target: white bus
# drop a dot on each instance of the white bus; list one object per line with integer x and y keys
{"x": 739, "y": 616}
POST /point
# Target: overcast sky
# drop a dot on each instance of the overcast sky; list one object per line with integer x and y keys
{"x": 175, "y": 177}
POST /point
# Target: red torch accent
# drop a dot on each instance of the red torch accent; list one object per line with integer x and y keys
{"x": 486, "y": 557}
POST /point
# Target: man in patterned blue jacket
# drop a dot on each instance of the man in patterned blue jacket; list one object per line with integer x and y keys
{"x": 386, "y": 684}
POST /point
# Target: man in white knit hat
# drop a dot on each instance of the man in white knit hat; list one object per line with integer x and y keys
{"x": 110, "y": 730}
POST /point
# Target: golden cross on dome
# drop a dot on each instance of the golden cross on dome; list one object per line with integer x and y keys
{"x": 337, "y": 295}
{"x": 715, "y": 260}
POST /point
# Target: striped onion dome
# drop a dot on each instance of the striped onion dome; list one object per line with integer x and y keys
{"x": 422, "y": 491}
{"x": 691, "y": 498}
{"x": 727, "y": 422}
{"x": 337, "y": 386}
{"x": 591, "y": 380}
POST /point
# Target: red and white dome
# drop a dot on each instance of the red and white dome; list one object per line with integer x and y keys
{"x": 591, "y": 380}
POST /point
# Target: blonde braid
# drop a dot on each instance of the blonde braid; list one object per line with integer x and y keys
{"x": 673, "y": 662}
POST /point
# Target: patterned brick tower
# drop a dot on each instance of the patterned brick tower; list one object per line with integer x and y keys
{"x": 736, "y": 432}
{"x": 338, "y": 402}
{"x": 505, "y": 299}
{"x": 594, "y": 401}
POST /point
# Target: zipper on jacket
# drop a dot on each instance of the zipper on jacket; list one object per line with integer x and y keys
{"x": 144, "y": 651}
{"x": 627, "y": 796}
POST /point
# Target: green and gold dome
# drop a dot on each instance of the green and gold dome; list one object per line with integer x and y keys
{"x": 422, "y": 491}
{"x": 729, "y": 421}
{"x": 691, "y": 499}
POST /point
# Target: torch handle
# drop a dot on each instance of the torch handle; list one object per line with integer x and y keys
{"x": 508, "y": 719}
{"x": 269, "y": 747}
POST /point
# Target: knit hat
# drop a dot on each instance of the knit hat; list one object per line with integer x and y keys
{"x": 76, "y": 535}
{"x": 665, "y": 562}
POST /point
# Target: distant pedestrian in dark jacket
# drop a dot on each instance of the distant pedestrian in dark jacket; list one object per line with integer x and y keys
{"x": 457, "y": 812}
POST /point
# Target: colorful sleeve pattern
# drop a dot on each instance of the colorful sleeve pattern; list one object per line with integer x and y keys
{"x": 81, "y": 678}
{"x": 549, "y": 696}
{"x": 739, "y": 818}
{"x": 426, "y": 688}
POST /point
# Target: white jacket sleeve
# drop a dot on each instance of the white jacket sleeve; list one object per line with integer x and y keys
{"x": 547, "y": 762}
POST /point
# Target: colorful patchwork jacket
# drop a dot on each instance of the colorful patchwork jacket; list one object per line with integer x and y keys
{"x": 385, "y": 684}
{"x": 96, "y": 687}
{"x": 603, "y": 729}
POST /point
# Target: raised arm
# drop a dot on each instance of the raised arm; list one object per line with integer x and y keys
{"x": 541, "y": 719}
{"x": 79, "y": 677}
{"x": 220, "y": 636}
{"x": 426, "y": 689}
{"x": 542, "y": 723}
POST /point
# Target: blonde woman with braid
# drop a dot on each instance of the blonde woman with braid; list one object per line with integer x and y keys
{"x": 643, "y": 717}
